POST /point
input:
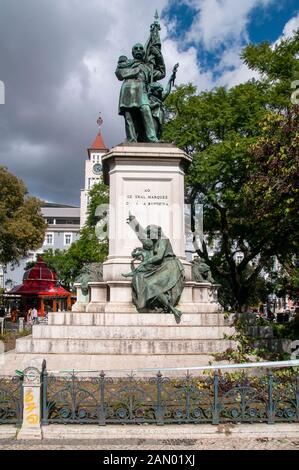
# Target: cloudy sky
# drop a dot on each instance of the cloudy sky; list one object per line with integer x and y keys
{"x": 58, "y": 57}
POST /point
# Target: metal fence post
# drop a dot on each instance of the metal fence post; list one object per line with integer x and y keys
{"x": 297, "y": 397}
{"x": 159, "y": 405}
{"x": 188, "y": 395}
{"x": 21, "y": 402}
{"x": 2, "y": 325}
{"x": 216, "y": 405}
{"x": 102, "y": 411}
{"x": 271, "y": 411}
{"x": 44, "y": 380}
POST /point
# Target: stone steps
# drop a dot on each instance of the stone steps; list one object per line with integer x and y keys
{"x": 113, "y": 364}
{"x": 121, "y": 346}
{"x": 186, "y": 307}
{"x": 130, "y": 332}
{"x": 132, "y": 339}
{"x": 136, "y": 319}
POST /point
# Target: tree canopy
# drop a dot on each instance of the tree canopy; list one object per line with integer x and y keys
{"x": 22, "y": 226}
{"x": 244, "y": 143}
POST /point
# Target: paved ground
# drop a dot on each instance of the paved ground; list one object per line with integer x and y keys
{"x": 204, "y": 444}
{"x": 175, "y": 437}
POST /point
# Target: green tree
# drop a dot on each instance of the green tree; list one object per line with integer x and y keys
{"x": 221, "y": 129}
{"x": 98, "y": 202}
{"x": 88, "y": 248}
{"x": 278, "y": 67}
{"x": 272, "y": 191}
{"x": 22, "y": 226}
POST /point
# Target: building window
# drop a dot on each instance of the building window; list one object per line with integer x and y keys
{"x": 75, "y": 221}
{"x": 67, "y": 239}
{"x": 49, "y": 240}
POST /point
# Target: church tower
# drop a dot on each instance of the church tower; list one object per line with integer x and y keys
{"x": 93, "y": 171}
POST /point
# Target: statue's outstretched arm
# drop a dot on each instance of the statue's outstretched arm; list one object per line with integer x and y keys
{"x": 135, "y": 225}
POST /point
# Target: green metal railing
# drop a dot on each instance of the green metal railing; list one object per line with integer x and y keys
{"x": 11, "y": 400}
{"x": 265, "y": 392}
{"x": 268, "y": 393}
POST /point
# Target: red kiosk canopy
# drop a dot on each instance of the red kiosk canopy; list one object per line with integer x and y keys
{"x": 40, "y": 281}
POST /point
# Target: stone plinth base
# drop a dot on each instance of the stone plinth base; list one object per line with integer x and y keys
{"x": 116, "y": 297}
{"x": 79, "y": 307}
{"x": 122, "y": 346}
{"x": 136, "y": 319}
{"x": 129, "y": 334}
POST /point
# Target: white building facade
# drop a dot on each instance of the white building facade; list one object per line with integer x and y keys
{"x": 93, "y": 173}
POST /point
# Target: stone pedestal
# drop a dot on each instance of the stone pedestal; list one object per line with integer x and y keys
{"x": 146, "y": 180}
{"x": 98, "y": 297}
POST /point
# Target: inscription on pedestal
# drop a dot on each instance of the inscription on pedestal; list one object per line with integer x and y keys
{"x": 147, "y": 199}
{"x": 151, "y": 201}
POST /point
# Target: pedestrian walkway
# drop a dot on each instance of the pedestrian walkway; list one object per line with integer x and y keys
{"x": 143, "y": 437}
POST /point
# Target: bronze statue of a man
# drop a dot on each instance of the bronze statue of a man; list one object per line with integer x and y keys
{"x": 134, "y": 105}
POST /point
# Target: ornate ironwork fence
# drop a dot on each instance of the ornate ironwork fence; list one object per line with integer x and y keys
{"x": 213, "y": 398}
{"x": 11, "y": 400}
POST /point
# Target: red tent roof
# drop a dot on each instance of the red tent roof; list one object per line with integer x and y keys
{"x": 40, "y": 272}
{"x": 40, "y": 280}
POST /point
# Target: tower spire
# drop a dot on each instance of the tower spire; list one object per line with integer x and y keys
{"x": 100, "y": 122}
{"x": 98, "y": 143}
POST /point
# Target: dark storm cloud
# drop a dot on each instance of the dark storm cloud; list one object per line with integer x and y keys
{"x": 43, "y": 137}
{"x": 57, "y": 59}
